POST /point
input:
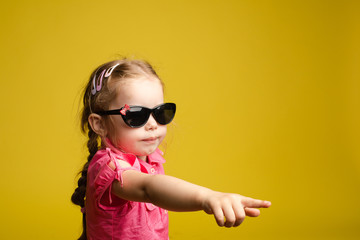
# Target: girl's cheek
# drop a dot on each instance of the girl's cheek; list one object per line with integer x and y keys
{"x": 164, "y": 131}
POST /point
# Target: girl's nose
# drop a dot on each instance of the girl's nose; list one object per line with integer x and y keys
{"x": 151, "y": 123}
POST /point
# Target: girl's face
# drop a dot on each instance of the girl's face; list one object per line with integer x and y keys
{"x": 142, "y": 141}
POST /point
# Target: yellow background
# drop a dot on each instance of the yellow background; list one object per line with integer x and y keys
{"x": 268, "y": 96}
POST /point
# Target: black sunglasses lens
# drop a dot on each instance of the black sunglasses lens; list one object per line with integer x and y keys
{"x": 136, "y": 116}
{"x": 165, "y": 113}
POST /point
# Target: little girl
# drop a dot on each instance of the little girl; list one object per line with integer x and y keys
{"x": 122, "y": 191}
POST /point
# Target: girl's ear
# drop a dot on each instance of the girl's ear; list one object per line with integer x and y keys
{"x": 97, "y": 124}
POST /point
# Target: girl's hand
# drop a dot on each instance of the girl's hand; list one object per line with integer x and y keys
{"x": 230, "y": 209}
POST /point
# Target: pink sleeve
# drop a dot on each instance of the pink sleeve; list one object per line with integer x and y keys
{"x": 103, "y": 183}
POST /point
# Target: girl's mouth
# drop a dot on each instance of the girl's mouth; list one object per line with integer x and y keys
{"x": 150, "y": 140}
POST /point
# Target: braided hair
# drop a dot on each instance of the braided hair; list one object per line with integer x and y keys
{"x": 125, "y": 69}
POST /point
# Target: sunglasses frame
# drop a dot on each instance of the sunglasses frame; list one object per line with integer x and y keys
{"x": 149, "y": 110}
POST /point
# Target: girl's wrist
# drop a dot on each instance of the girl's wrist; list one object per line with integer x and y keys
{"x": 203, "y": 196}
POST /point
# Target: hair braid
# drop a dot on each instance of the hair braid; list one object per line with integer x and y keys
{"x": 79, "y": 195}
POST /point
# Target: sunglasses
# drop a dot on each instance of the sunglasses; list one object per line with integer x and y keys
{"x": 137, "y": 116}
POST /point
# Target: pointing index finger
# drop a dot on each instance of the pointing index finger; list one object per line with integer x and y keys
{"x": 255, "y": 203}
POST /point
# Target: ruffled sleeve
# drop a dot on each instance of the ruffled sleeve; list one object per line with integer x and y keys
{"x": 106, "y": 176}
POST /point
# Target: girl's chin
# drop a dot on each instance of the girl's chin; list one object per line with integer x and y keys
{"x": 143, "y": 154}
{"x": 141, "y": 151}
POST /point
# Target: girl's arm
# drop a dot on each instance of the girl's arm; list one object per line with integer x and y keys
{"x": 177, "y": 195}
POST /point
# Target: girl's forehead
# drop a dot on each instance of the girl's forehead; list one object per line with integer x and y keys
{"x": 139, "y": 91}
{"x": 139, "y": 85}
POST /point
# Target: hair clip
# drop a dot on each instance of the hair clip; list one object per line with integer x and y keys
{"x": 99, "y": 84}
{"x": 124, "y": 109}
{"x": 110, "y": 70}
{"x": 96, "y": 87}
{"x": 93, "y": 88}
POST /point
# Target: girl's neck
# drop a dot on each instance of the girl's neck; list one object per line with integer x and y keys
{"x": 107, "y": 143}
{"x": 143, "y": 158}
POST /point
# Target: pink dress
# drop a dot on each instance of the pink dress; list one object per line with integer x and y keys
{"x": 110, "y": 217}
